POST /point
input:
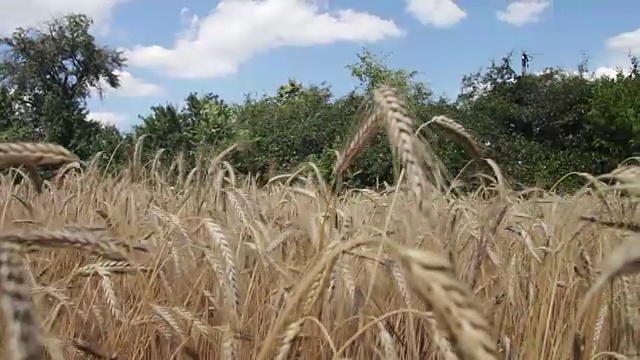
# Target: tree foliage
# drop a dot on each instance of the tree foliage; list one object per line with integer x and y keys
{"x": 538, "y": 127}
{"x": 47, "y": 73}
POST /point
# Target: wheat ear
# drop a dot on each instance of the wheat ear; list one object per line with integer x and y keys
{"x": 308, "y": 280}
{"x": 34, "y": 154}
{"x": 87, "y": 241}
{"x": 413, "y": 153}
{"x": 365, "y": 133}
{"x": 459, "y": 133}
{"x": 624, "y": 259}
{"x": 25, "y": 339}
{"x": 432, "y": 278}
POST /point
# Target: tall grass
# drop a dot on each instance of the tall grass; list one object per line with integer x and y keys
{"x": 212, "y": 267}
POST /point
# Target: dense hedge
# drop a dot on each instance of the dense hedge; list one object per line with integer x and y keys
{"x": 537, "y": 127}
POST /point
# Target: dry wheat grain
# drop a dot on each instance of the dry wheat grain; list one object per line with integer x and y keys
{"x": 34, "y": 154}
{"x": 25, "y": 339}
{"x": 458, "y": 132}
{"x": 432, "y": 277}
{"x": 87, "y": 241}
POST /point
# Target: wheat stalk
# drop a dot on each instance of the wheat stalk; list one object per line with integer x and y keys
{"x": 433, "y": 279}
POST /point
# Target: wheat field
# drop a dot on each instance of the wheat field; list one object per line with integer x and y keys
{"x": 167, "y": 262}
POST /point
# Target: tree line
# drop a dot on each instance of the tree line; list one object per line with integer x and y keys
{"x": 537, "y": 127}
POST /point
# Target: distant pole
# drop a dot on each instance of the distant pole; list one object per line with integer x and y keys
{"x": 525, "y": 59}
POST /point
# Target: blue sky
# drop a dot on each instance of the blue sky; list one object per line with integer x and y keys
{"x": 234, "y": 47}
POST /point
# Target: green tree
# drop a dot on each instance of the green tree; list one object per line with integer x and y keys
{"x": 292, "y": 88}
{"x": 371, "y": 71}
{"x": 542, "y": 126}
{"x": 49, "y": 73}
{"x": 613, "y": 114}
{"x": 283, "y": 132}
{"x": 530, "y": 122}
{"x": 537, "y": 127}
{"x": 206, "y": 124}
{"x": 10, "y": 127}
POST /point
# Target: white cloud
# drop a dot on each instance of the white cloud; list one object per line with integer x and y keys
{"x": 604, "y": 71}
{"x": 599, "y": 72}
{"x": 27, "y": 13}
{"x": 523, "y": 12}
{"x": 109, "y": 118}
{"x": 618, "y": 48}
{"x": 437, "y": 13}
{"x": 237, "y": 30}
{"x": 130, "y": 86}
{"x": 625, "y": 42}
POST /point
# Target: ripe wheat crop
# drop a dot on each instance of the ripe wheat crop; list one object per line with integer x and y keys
{"x": 163, "y": 262}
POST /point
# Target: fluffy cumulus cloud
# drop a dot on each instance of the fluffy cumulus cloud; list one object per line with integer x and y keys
{"x": 109, "y": 118}
{"x": 625, "y": 42}
{"x": 618, "y": 49}
{"x": 236, "y": 30}
{"x": 615, "y": 58}
{"x": 523, "y": 12}
{"x": 436, "y": 13}
{"x": 130, "y": 86}
{"x": 605, "y": 71}
{"x": 26, "y": 13}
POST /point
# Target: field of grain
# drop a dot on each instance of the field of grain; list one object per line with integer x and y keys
{"x": 203, "y": 264}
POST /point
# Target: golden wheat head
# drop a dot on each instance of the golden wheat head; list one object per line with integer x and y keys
{"x": 432, "y": 278}
{"x": 34, "y": 154}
